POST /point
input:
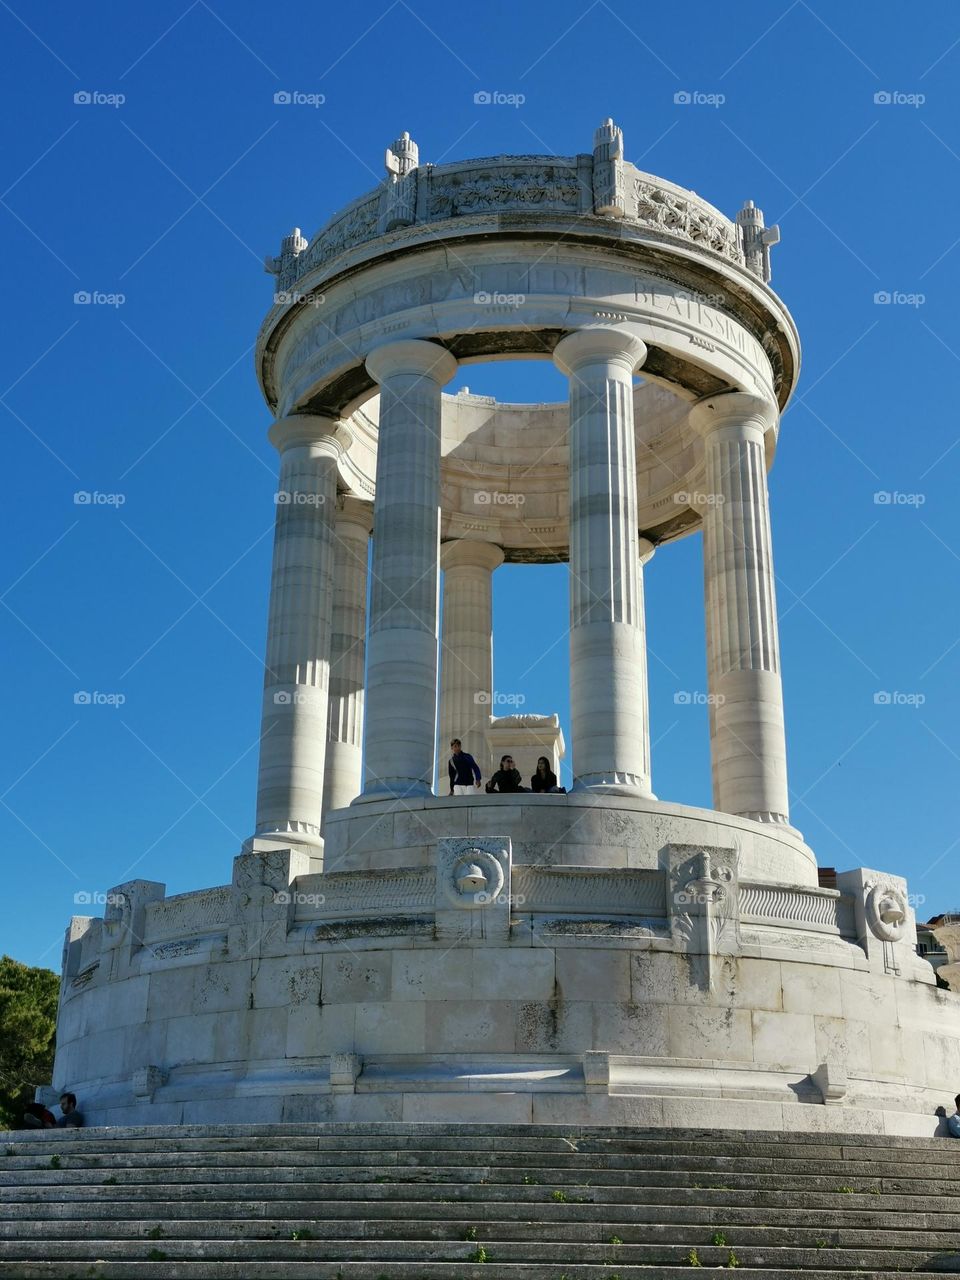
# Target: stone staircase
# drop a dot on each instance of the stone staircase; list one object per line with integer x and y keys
{"x": 472, "y": 1202}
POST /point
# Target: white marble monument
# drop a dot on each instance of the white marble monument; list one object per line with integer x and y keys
{"x": 384, "y": 952}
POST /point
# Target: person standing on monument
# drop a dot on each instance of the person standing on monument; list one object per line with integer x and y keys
{"x": 463, "y": 770}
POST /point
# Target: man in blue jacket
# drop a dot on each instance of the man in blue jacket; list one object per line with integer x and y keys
{"x": 463, "y": 770}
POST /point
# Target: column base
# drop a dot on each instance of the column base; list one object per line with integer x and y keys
{"x": 605, "y": 784}
{"x": 395, "y": 789}
{"x": 270, "y": 841}
{"x": 768, "y": 818}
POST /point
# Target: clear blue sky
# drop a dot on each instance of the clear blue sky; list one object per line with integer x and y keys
{"x": 173, "y": 198}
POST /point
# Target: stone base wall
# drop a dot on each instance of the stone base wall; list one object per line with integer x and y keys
{"x": 477, "y": 987}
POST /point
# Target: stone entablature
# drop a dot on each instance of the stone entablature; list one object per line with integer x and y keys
{"x": 459, "y": 251}
{"x": 512, "y": 185}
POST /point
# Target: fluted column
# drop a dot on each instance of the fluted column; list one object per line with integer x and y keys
{"x": 401, "y": 701}
{"x": 294, "y": 717}
{"x": 466, "y": 657}
{"x": 608, "y": 660}
{"x": 748, "y": 748}
{"x": 351, "y": 536}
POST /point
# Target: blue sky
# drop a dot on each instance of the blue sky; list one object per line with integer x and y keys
{"x": 172, "y": 197}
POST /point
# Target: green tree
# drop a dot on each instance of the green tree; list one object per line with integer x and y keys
{"x": 28, "y": 1024}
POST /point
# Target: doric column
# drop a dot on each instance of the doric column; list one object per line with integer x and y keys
{"x": 294, "y": 719}
{"x": 466, "y": 652}
{"x": 608, "y": 660}
{"x": 351, "y": 530}
{"x": 748, "y": 748}
{"x": 401, "y": 701}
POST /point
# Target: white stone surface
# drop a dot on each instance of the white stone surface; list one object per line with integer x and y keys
{"x": 743, "y": 650}
{"x": 401, "y": 703}
{"x": 466, "y": 651}
{"x": 608, "y": 667}
{"x": 293, "y": 733}
{"x": 343, "y": 776}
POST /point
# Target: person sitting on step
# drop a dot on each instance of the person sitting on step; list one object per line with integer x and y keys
{"x": 953, "y": 1122}
{"x": 507, "y": 777}
{"x": 545, "y": 779}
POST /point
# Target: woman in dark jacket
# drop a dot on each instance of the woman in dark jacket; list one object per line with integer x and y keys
{"x": 544, "y": 779}
{"x": 507, "y": 777}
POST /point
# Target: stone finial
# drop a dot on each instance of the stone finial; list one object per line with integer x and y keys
{"x": 609, "y": 184}
{"x": 756, "y": 240}
{"x": 402, "y": 156}
{"x": 608, "y": 141}
{"x": 398, "y": 197}
{"x": 291, "y": 247}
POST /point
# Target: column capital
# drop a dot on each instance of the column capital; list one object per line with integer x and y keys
{"x": 645, "y": 549}
{"x": 733, "y": 407}
{"x": 310, "y": 430}
{"x": 412, "y": 356}
{"x": 464, "y": 551}
{"x": 351, "y": 510}
{"x": 599, "y": 345}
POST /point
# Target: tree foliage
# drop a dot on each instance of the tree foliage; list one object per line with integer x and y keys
{"x": 28, "y": 1023}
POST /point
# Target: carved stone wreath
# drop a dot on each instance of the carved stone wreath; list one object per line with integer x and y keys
{"x": 886, "y": 911}
{"x": 477, "y": 878}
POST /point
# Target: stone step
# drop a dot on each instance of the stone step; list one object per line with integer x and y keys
{"x": 251, "y": 1182}
{"x": 910, "y": 1237}
{"x": 152, "y": 1135}
{"x": 191, "y": 1201}
{"x": 167, "y": 1270}
{"x": 705, "y": 1162}
{"x": 389, "y": 1252}
{"x": 239, "y": 1219}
